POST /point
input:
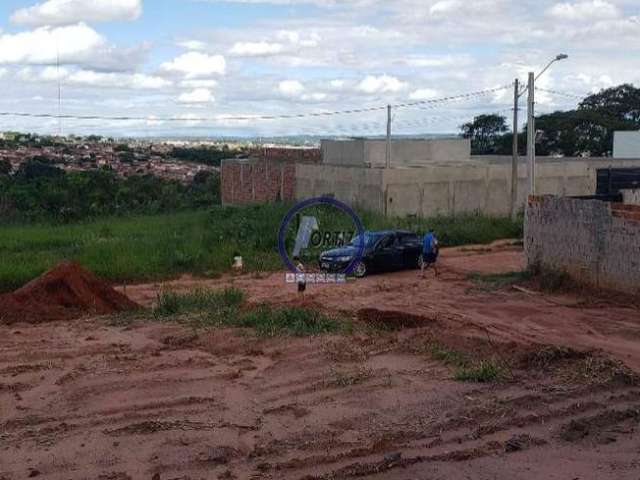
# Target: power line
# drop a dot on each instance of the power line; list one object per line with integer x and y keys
{"x": 562, "y": 94}
{"x": 255, "y": 117}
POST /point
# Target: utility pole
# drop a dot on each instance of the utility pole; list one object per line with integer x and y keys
{"x": 60, "y": 133}
{"x": 514, "y": 159}
{"x": 388, "y": 152}
{"x": 531, "y": 136}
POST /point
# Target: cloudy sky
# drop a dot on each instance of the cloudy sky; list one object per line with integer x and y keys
{"x": 208, "y": 62}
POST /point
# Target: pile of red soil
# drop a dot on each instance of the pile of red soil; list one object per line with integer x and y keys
{"x": 65, "y": 292}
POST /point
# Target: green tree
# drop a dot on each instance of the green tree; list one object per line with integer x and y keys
{"x": 485, "y": 133}
{"x": 5, "y": 167}
{"x": 588, "y": 130}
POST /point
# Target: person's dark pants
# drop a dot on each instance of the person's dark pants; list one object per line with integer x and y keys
{"x": 429, "y": 260}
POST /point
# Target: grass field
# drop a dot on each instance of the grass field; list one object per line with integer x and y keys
{"x": 143, "y": 248}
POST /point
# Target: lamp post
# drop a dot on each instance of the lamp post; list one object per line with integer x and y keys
{"x": 531, "y": 128}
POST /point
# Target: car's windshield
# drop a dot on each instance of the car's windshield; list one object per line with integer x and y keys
{"x": 369, "y": 240}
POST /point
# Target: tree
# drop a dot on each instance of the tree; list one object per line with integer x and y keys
{"x": 621, "y": 102}
{"x": 588, "y": 130}
{"x": 485, "y": 133}
{"x": 5, "y": 167}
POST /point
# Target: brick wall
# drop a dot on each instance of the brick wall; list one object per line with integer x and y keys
{"x": 257, "y": 181}
{"x": 269, "y": 176}
{"x": 597, "y": 243}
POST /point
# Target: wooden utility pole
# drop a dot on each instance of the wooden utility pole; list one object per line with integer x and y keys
{"x": 514, "y": 159}
{"x": 388, "y": 152}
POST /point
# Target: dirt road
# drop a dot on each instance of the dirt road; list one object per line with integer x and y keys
{"x": 108, "y": 399}
{"x": 507, "y": 315}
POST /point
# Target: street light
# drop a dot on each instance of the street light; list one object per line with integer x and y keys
{"x": 531, "y": 128}
{"x": 531, "y": 125}
{"x": 558, "y": 58}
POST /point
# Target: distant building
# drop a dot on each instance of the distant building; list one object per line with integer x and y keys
{"x": 626, "y": 144}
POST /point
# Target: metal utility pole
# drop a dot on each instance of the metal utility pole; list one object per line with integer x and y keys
{"x": 515, "y": 159}
{"x": 388, "y": 152}
{"x": 531, "y": 136}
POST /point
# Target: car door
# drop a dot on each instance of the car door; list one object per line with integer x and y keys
{"x": 397, "y": 255}
{"x": 383, "y": 256}
{"x": 411, "y": 250}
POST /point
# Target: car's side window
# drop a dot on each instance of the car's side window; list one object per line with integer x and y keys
{"x": 387, "y": 242}
{"x": 408, "y": 240}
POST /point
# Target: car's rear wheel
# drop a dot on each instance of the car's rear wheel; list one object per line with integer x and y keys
{"x": 360, "y": 270}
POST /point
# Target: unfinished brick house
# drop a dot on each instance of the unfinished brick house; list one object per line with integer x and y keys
{"x": 267, "y": 176}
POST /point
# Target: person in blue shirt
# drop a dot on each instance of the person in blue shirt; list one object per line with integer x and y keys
{"x": 430, "y": 252}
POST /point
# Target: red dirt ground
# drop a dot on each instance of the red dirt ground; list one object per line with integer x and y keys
{"x": 119, "y": 398}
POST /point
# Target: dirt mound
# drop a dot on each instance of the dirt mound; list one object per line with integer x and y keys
{"x": 66, "y": 291}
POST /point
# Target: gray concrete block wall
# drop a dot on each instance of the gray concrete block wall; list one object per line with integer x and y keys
{"x": 404, "y": 152}
{"x": 449, "y": 189}
{"x": 352, "y": 185}
{"x": 597, "y": 243}
{"x": 631, "y": 196}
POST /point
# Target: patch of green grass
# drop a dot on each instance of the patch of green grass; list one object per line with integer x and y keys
{"x": 203, "y": 242}
{"x": 270, "y": 321}
{"x": 485, "y": 371}
{"x": 447, "y": 356}
{"x": 452, "y": 231}
{"x": 494, "y": 281}
{"x": 466, "y": 370}
{"x": 174, "y": 303}
{"x": 222, "y": 308}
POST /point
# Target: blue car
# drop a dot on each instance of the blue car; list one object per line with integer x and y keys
{"x": 384, "y": 251}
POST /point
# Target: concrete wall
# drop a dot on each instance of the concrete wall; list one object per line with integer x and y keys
{"x": 404, "y": 152}
{"x": 631, "y": 196}
{"x": 352, "y": 185}
{"x": 597, "y": 243}
{"x": 480, "y": 185}
{"x": 346, "y": 153}
{"x": 626, "y": 144}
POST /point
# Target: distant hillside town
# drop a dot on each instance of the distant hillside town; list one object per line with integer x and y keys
{"x": 169, "y": 160}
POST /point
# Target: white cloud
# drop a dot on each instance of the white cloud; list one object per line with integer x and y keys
{"x": 53, "y": 73}
{"x": 423, "y": 94}
{"x": 189, "y": 119}
{"x": 66, "y": 12}
{"x": 198, "y": 84}
{"x": 199, "y": 95}
{"x": 44, "y": 45}
{"x": 255, "y": 49}
{"x": 382, "y": 84}
{"x": 152, "y": 121}
{"x": 195, "y": 65}
{"x": 337, "y": 84}
{"x": 444, "y": 7}
{"x": 290, "y": 88}
{"x": 314, "y": 97}
{"x": 584, "y": 10}
{"x": 3, "y": 72}
{"x": 291, "y": 36}
{"x": 117, "y": 80}
{"x": 193, "y": 45}
{"x": 421, "y": 61}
